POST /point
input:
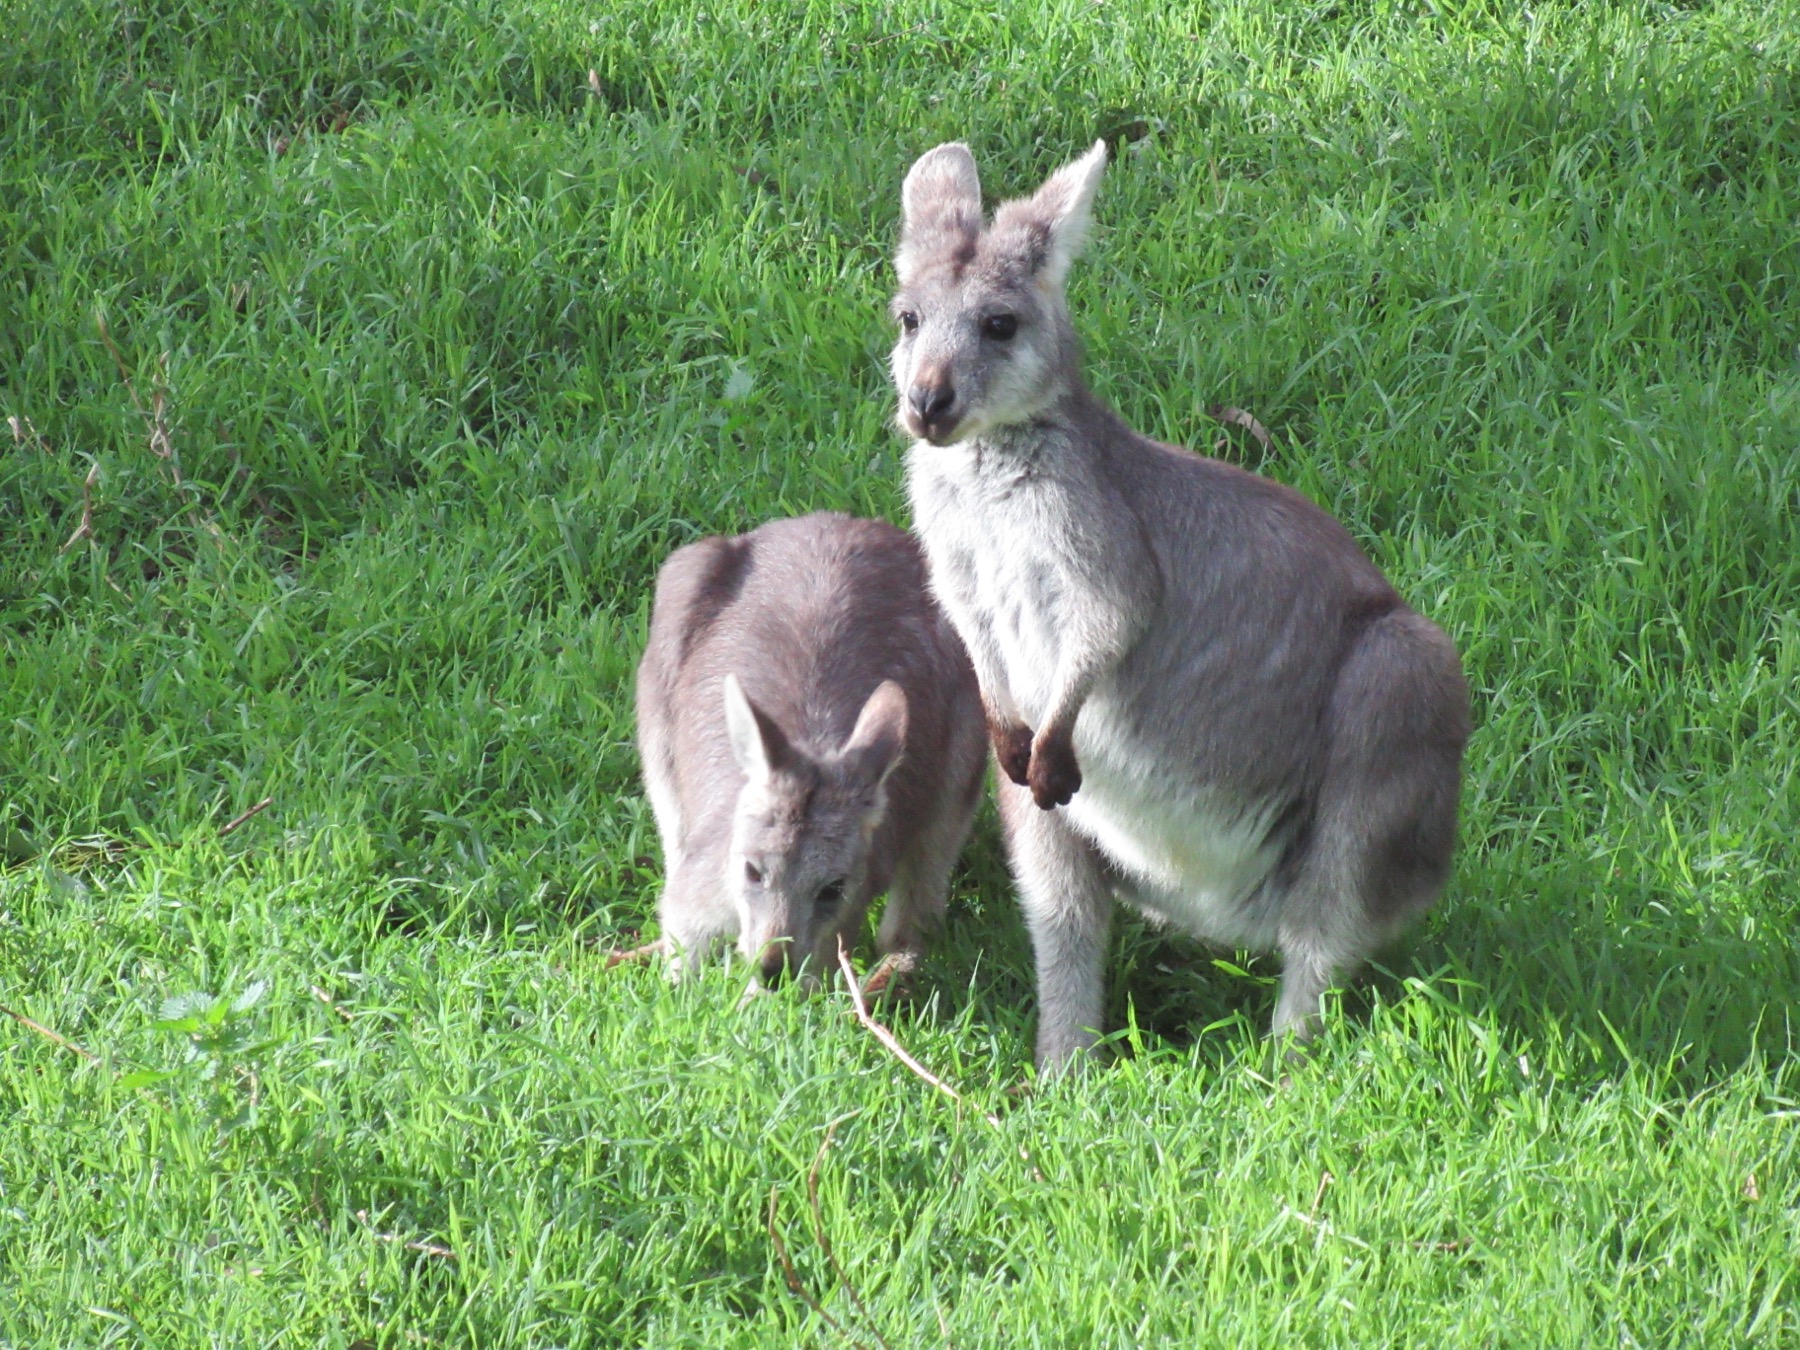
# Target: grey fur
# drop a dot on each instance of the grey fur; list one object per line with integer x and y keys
{"x": 804, "y": 709}
{"x": 1207, "y": 700}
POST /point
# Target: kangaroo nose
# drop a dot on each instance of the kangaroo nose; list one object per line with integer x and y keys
{"x": 773, "y": 966}
{"x": 931, "y": 400}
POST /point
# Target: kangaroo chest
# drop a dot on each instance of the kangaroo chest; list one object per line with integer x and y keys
{"x": 1000, "y": 551}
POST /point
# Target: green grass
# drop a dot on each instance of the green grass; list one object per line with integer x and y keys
{"x": 451, "y": 349}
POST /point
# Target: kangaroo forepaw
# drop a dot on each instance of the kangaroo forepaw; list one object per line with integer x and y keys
{"x": 1053, "y": 775}
{"x": 1012, "y": 749}
{"x": 891, "y": 976}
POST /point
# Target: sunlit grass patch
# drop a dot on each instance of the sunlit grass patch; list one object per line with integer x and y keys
{"x": 359, "y": 366}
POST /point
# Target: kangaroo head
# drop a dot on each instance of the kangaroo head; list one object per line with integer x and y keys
{"x": 985, "y": 339}
{"x": 800, "y": 839}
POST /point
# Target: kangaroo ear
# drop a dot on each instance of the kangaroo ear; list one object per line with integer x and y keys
{"x": 758, "y": 745}
{"x": 941, "y": 206}
{"x": 1047, "y": 229}
{"x": 874, "y": 746}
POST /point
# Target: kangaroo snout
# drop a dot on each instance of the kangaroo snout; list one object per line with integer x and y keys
{"x": 928, "y": 405}
{"x": 772, "y": 965}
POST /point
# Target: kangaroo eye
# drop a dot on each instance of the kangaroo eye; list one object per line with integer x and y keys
{"x": 909, "y": 322}
{"x": 1000, "y": 327}
{"x": 832, "y": 896}
{"x": 753, "y": 874}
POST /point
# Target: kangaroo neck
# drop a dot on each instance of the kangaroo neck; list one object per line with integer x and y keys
{"x": 1070, "y": 419}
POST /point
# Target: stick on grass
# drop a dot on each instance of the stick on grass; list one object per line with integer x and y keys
{"x": 886, "y": 1037}
{"x": 634, "y": 956}
{"x": 1237, "y": 417}
{"x": 85, "y": 530}
{"x": 812, "y": 1199}
{"x": 50, "y": 1035}
{"x": 326, "y": 999}
{"x": 239, "y": 819}
{"x": 442, "y": 1253}
{"x": 793, "y": 1279}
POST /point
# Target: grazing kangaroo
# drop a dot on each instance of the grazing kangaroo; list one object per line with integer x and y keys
{"x": 1207, "y": 700}
{"x": 811, "y": 737}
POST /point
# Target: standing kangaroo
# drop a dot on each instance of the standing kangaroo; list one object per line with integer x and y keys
{"x": 1223, "y": 712}
{"x": 811, "y": 737}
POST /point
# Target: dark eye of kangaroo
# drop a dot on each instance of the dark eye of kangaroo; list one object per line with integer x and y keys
{"x": 753, "y": 874}
{"x": 909, "y": 322}
{"x": 1000, "y": 327}
{"x": 832, "y": 896}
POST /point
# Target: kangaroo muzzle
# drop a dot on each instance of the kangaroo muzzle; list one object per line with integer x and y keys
{"x": 773, "y": 967}
{"x": 928, "y": 410}
{"x": 776, "y": 958}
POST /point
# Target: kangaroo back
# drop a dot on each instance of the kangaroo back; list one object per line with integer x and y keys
{"x": 811, "y": 737}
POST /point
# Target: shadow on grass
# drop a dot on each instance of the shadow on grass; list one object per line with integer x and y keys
{"x": 1569, "y": 961}
{"x": 1618, "y": 970}
{"x": 1561, "y": 960}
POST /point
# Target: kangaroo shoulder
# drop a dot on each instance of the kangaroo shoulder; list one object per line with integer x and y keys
{"x": 696, "y": 584}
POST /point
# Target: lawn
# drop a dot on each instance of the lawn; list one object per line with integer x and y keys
{"x": 362, "y": 363}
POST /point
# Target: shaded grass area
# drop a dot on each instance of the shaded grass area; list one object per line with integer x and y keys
{"x": 435, "y": 329}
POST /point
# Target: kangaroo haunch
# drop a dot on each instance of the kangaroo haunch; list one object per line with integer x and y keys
{"x": 1207, "y": 700}
{"x": 811, "y": 737}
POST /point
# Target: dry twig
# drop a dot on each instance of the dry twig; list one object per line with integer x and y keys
{"x": 1237, "y": 417}
{"x": 793, "y": 1280}
{"x": 886, "y": 1037}
{"x": 812, "y": 1199}
{"x": 238, "y": 820}
{"x": 619, "y": 956}
{"x": 887, "y": 37}
{"x": 325, "y": 998}
{"x": 410, "y": 1244}
{"x": 160, "y": 444}
{"x": 156, "y": 418}
{"x": 85, "y": 530}
{"x": 50, "y": 1035}
{"x": 1325, "y": 1179}
{"x": 26, "y": 434}
{"x": 64, "y": 1042}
